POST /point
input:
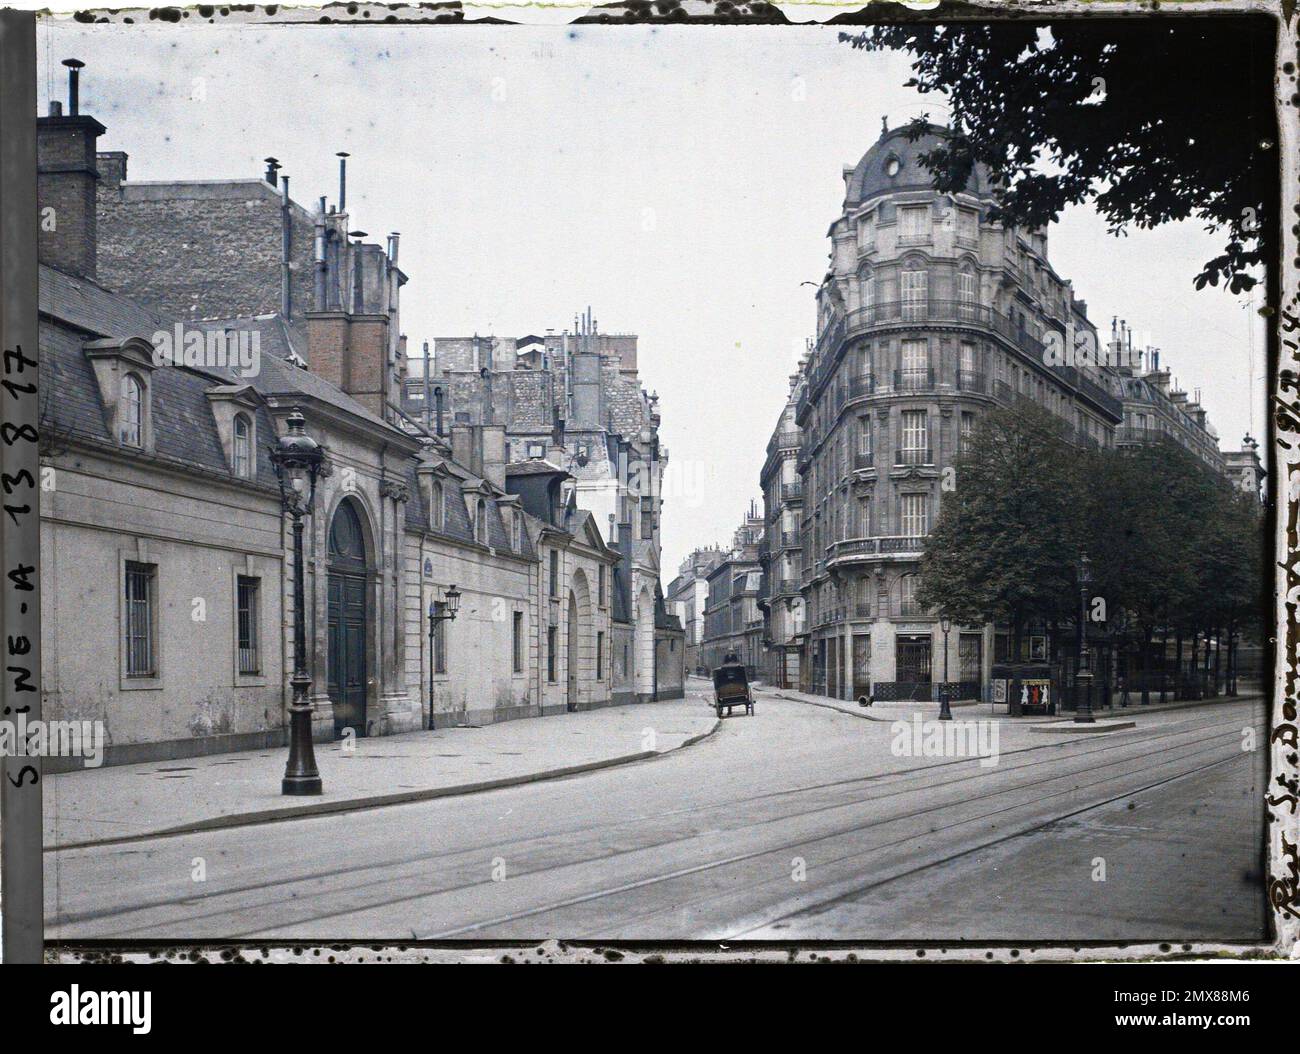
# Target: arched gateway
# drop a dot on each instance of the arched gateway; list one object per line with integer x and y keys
{"x": 348, "y": 590}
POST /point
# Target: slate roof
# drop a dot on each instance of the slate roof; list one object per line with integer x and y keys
{"x": 79, "y": 309}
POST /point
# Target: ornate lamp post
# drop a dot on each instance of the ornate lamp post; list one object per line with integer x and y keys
{"x": 297, "y": 459}
{"x": 1083, "y": 676}
{"x": 945, "y": 714}
{"x": 443, "y": 610}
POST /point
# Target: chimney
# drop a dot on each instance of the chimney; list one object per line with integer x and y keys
{"x": 286, "y": 248}
{"x": 492, "y": 454}
{"x": 463, "y": 446}
{"x": 66, "y": 179}
{"x": 272, "y": 168}
{"x": 343, "y": 156}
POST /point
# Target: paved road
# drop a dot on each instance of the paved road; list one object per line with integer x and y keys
{"x": 796, "y": 822}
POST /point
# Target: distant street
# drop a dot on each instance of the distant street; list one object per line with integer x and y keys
{"x": 797, "y": 822}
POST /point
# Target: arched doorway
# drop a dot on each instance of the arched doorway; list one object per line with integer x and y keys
{"x": 571, "y": 664}
{"x": 347, "y": 620}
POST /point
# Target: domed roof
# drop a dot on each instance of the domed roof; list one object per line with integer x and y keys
{"x": 876, "y": 173}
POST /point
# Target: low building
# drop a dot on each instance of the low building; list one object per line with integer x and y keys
{"x": 688, "y": 596}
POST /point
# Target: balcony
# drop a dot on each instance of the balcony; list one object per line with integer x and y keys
{"x": 860, "y": 386}
{"x": 791, "y": 540}
{"x": 862, "y": 611}
{"x": 863, "y": 461}
{"x": 784, "y": 441}
{"x": 854, "y": 549}
{"x": 914, "y": 457}
{"x": 786, "y": 587}
{"x": 914, "y": 380}
{"x": 970, "y": 381}
{"x": 1131, "y": 434}
{"x": 792, "y": 492}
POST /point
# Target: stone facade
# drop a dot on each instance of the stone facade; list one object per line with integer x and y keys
{"x": 167, "y": 561}
{"x": 929, "y": 316}
{"x": 781, "y": 554}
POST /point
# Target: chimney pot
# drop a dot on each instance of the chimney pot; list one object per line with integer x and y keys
{"x": 75, "y": 67}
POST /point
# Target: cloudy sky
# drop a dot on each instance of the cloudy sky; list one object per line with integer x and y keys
{"x": 679, "y": 180}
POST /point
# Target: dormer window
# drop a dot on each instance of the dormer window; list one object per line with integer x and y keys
{"x": 243, "y": 447}
{"x": 131, "y": 411}
{"x": 517, "y": 532}
{"x": 480, "y": 522}
{"x": 892, "y": 166}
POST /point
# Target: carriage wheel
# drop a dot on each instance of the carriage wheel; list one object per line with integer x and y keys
{"x": 719, "y": 708}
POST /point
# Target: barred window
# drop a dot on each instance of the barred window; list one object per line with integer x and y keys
{"x": 246, "y": 604}
{"x": 139, "y": 641}
{"x": 518, "y": 642}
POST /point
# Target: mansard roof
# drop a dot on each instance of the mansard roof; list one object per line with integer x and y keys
{"x": 871, "y": 175}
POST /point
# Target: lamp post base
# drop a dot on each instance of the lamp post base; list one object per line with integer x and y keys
{"x": 300, "y": 773}
{"x": 301, "y": 785}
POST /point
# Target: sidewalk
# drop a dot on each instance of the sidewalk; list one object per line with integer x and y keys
{"x": 126, "y": 802}
{"x": 969, "y": 710}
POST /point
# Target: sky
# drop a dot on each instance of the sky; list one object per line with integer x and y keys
{"x": 679, "y": 180}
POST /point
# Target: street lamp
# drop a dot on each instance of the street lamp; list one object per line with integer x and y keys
{"x": 945, "y": 714}
{"x": 297, "y": 460}
{"x": 1083, "y": 675}
{"x": 443, "y": 610}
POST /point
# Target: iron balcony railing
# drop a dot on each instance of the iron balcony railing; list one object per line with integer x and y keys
{"x": 862, "y": 611}
{"x": 970, "y": 381}
{"x": 862, "y": 460}
{"x": 881, "y": 545}
{"x": 945, "y": 311}
{"x": 914, "y": 457}
{"x": 861, "y": 385}
{"x": 1131, "y": 434}
{"x": 784, "y": 441}
{"x": 791, "y": 540}
{"x": 791, "y": 491}
{"x": 914, "y": 380}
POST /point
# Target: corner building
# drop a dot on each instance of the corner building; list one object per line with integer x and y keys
{"x": 929, "y": 316}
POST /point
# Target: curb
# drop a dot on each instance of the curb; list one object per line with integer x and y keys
{"x": 254, "y": 819}
{"x": 1068, "y": 727}
{"x": 1029, "y": 722}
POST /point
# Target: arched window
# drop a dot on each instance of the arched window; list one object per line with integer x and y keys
{"x": 480, "y": 522}
{"x": 243, "y": 447}
{"x": 435, "y": 507}
{"x": 131, "y": 413}
{"x": 907, "y": 586}
{"x": 967, "y": 290}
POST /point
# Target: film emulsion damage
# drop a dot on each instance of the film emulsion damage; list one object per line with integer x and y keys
{"x": 588, "y": 557}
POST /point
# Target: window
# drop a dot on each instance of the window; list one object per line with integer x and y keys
{"x": 864, "y": 438}
{"x": 601, "y": 573}
{"x": 131, "y": 412}
{"x": 141, "y": 580}
{"x": 243, "y": 447}
{"x": 967, "y": 431}
{"x": 247, "y": 611}
{"x": 966, "y": 294}
{"x": 517, "y": 531}
{"x": 915, "y": 515}
{"x": 555, "y": 572}
{"x": 970, "y": 652}
{"x": 517, "y": 642}
{"x": 440, "y": 646}
{"x": 914, "y": 223}
{"x": 916, "y": 286}
{"x": 915, "y": 438}
{"x": 907, "y": 587}
{"x": 536, "y": 450}
{"x": 864, "y": 517}
{"x": 552, "y": 659}
{"x": 480, "y": 522}
{"x": 647, "y": 519}
{"x": 968, "y": 226}
{"x": 436, "y": 509}
{"x": 916, "y": 361}
{"x": 868, "y": 290}
{"x": 600, "y": 655}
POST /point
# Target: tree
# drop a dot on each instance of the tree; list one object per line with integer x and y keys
{"x": 1152, "y": 120}
{"x": 1006, "y": 542}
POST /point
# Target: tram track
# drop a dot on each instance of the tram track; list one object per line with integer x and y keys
{"x": 299, "y": 889}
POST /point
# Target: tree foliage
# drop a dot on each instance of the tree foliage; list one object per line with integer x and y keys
{"x": 1171, "y": 543}
{"x": 1152, "y": 120}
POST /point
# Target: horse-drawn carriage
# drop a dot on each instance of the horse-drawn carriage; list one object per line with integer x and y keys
{"x": 731, "y": 687}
